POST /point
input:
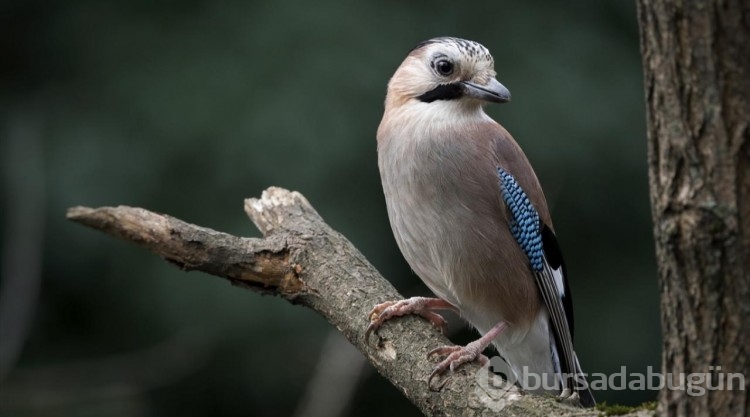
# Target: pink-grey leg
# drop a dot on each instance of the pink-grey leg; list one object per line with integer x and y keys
{"x": 421, "y": 306}
{"x": 459, "y": 355}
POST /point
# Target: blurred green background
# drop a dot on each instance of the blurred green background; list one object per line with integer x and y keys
{"x": 187, "y": 107}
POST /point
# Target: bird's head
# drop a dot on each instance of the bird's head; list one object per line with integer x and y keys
{"x": 447, "y": 70}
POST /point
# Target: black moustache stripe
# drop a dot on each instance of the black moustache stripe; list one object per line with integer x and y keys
{"x": 443, "y": 92}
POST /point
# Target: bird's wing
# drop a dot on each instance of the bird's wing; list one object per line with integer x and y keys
{"x": 538, "y": 242}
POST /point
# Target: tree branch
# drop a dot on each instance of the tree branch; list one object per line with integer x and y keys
{"x": 306, "y": 262}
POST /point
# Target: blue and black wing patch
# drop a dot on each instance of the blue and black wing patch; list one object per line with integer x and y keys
{"x": 524, "y": 219}
{"x": 539, "y": 244}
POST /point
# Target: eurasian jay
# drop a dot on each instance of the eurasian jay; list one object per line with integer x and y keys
{"x": 470, "y": 217}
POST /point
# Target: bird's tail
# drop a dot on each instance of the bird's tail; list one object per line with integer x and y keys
{"x": 581, "y": 386}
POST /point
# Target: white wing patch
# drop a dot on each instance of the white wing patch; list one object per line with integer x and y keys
{"x": 557, "y": 274}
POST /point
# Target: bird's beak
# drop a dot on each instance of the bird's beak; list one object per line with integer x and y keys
{"x": 493, "y": 91}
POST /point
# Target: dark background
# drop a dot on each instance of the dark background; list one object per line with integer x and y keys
{"x": 187, "y": 107}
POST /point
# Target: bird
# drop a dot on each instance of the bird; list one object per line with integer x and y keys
{"x": 469, "y": 216}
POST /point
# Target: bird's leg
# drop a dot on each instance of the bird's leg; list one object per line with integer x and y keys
{"x": 459, "y": 355}
{"x": 422, "y": 306}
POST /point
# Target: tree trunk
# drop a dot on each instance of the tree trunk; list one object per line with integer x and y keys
{"x": 696, "y": 59}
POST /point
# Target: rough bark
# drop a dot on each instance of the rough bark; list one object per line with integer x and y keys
{"x": 696, "y": 59}
{"x": 304, "y": 261}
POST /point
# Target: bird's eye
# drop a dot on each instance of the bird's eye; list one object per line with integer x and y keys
{"x": 444, "y": 67}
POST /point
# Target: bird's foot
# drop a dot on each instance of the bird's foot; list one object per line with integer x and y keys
{"x": 456, "y": 356}
{"x": 569, "y": 396}
{"x": 422, "y": 306}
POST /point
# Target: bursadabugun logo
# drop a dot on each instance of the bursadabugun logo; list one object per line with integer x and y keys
{"x": 498, "y": 394}
{"x": 696, "y": 383}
